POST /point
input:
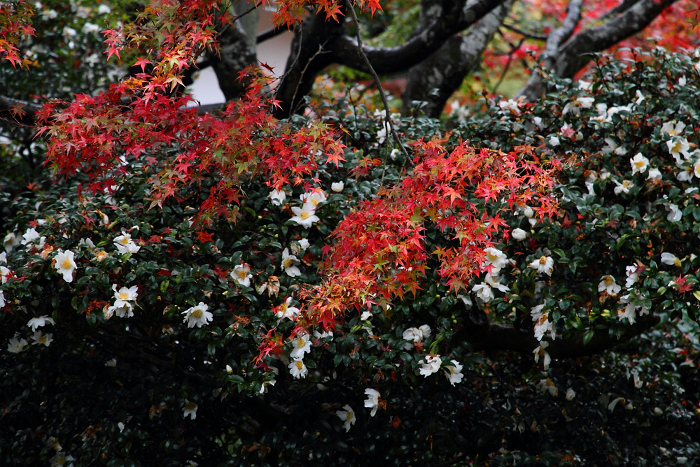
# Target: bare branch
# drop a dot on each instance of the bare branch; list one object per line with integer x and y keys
{"x": 387, "y": 111}
{"x": 526, "y": 34}
{"x": 554, "y": 41}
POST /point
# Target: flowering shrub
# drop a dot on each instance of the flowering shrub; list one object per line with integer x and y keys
{"x": 231, "y": 289}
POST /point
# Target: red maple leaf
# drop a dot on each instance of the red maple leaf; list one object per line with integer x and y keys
{"x": 204, "y": 237}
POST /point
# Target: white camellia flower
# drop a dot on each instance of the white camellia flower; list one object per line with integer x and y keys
{"x": 570, "y": 394}
{"x": 431, "y": 365}
{"x": 608, "y": 285}
{"x": 10, "y": 241}
{"x": 298, "y": 369}
{"x": 696, "y": 166}
{"x": 670, "y": 259}
{"x": 305, "y": 216}
{"x": 674, "y": 214}
{"x": 545, "y": 265}
{"x": 654, "y": 174}
{"x": 496, "y": 258}
{"x": 519, "y": 234}
{"x": 123, "y": 306}
{"x": 639, "y": 163}
{"x": 277, "y": 197}
{"x": 454, "y": 372}
{"x": 493, "y": 283}
{"x": 623, "y": 187}
{"x": 125, "y": 244}
{"x": 189, "y": 410}
{"x": 65, "y": 264}
{"x": 17, "y": 344}
{"x": 2, "y": 299}
{"x": 302, "y": 345}
{"x": 541, "y": 352}
{"x": 541, "y": 323}
{"x": 337, "y": 187}
{"x": 103, "y": 10}
{"x": 39, "y": 322}
{"x": 483, "y": 292}
{"x": 348, "y": 417}
{"x": 289, "y": 263}
{"x": 554, "y": 141}
{"x": 510, "y": 105}
{"x": 42, "y": 339}
{"x": 372, "y": 401}
{"x": 30, "y": 236}
{"x": 632, "y": 275}
{"x": 677, "y": 147}
{"x": 638, "y": 383}
{"x": 287, "y": 311}
{"x": 416, "y": 335}
{"x": 313, "y": 198}
{"x": 673, "y": 130}
{"x": 628, "y": 311}
{"x": 197, "y": 316}
{"x": 89, "y": 28}
{"x": 612, "y": 147}
{"x": 241, "y": 274}
{"x": 5, "y": 274}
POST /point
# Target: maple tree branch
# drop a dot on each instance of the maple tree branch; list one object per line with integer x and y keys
{"x": 445, "y": 70}
{"x": 18, "y": 112}
{"x": 554, "y": 41}
{"x": 454, "y": 17}
{"x": 387, "y": 111}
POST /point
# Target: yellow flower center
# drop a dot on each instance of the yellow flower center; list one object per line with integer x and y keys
{"x": 288, "y": 263}
{"x": 543, "y": 260}
{"x": 676, "y": 146}
{"x": 242, "y": 273}
{"x": 299, "y": 364}
{"x": 42, "y": 340}
{"x": 349, "y": 416}
{"x": 639, "y": 164}
{"x": 491, "y": 257}
{"x": 197, "y": 313}
{"x": 124, "y": 241}
{"x": 626, "y": 183}
{"x": 67, "y": 264}
{"x": 300, "y": 342}
{"x": 677, "y": 262}
{"x": 283, "y": 307}
{"x": 608, "y": 280}
{"x": 304, "y": 215}
{"x": 123, "y": 296}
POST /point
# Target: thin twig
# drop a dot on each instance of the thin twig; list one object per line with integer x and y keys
{"x": 387, "y": 112}
{"x": 249, "y": 10}
{"x": 529, "y": 35}
{"x": 507, "y": 66}
{"x": 303, "y": 72}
